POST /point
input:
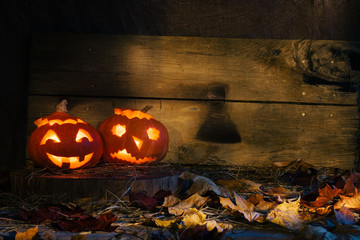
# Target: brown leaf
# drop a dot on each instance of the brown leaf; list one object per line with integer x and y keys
{"x": 264, "y": 206}
{"x": 280, "y": 191}
{"x": 183, "y": 206}
{"x": 255, "y": 198}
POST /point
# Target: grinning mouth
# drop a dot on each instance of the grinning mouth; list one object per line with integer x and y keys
{"x": 125, "y": 156}
{"x": 73, "y": 161}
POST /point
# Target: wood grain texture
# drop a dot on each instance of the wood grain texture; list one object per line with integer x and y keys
{"x": 322, "y": 135}
{"x": 190, "y": 68}
{"x": 70, "y": 187}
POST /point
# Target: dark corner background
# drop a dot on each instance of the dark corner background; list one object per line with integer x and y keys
{"x": 277, "y": 19}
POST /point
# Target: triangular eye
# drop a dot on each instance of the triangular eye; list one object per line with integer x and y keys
{"x": 50, "y": 135}
{"x": 118, "y": 130}
{"x": 83, "y": 134}
{"x": 153, "y": 133}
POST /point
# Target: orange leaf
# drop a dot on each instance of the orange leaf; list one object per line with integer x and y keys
{"x": 352, "y": 203}
{"x": 326, "y": 194}
{"x": 349, "y": 188}
{"x": 29, "y": 234}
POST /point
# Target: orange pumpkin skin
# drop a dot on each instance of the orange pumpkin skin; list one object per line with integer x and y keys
{"x": 132, "y": 137}
{"x": 64, "y": 142}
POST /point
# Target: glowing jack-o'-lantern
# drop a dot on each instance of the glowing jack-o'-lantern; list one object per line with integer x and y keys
{"x": 64, "y": 142}
{"x": 133, "y": 137}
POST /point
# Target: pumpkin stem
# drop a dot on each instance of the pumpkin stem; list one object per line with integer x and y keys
{"x": 61, "y": 107}
{"x": 147, "y": 108}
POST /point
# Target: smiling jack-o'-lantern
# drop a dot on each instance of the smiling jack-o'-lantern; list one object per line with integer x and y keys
{"x": 133, "y": 137}
{"x": 62, "y": 141}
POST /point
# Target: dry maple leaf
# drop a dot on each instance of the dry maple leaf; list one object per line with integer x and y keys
{"x": 326, "y": 194}
{"x": 349, "y": 187}
{"x": 183, "y": 206}
{"x": 287, "y": 215}
{"x": 351, "y": 203}
{"x": 242, "y": 206}
{"x": 195, "y": 217}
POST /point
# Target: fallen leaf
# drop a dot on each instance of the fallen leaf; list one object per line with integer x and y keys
{"x": 321, "y": 210}
{"x": 243, "y": 204}
{"x": 183, "y": 206}
{"x": 264, "y": 206}
{"x": 193, "y": 218}
{"x": 351, "y": 203}
{"x": 31, "y": 233}
{"x": 170, "y": 201}
{"x": 344, "y": 216}
{"x": 143, "y": 200}
{"x": 88, "y": 223}
{"x": 349, "y": 187}
{"x": 201, "y": 185}
{"x": 255, "y": 198}
{"x": 280, "y": 191}
{"x": 165, "y": 223}
{"x": 227, "y": 203}
{"x": 326, "y": 194}
{"x": 220, "y": 227}
{"x": 287, "y": 215}
{"x": 251, "y": 215}
{"x": 252, "y": 186}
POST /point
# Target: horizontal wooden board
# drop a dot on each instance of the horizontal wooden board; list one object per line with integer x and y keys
{"x": 164, "y": 67}
{"x": 75, "y": 186}
{"x": 243, "y": 132}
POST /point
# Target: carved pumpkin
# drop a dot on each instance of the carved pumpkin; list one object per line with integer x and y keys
{"x": 133, "y": 137}
{"x": 64, "y": 142}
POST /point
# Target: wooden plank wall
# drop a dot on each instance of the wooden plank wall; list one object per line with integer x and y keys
{"x": 237, "y": 101}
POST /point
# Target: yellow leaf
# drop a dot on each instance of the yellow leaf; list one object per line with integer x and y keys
{"x": 287, "y": 215}
{"x": 220, "y": 227}
{"x": 351, "y": 203}
{"x": 193, "y": 218}
{"x": 164, "y": 223}
{"x": 29, "y": 234}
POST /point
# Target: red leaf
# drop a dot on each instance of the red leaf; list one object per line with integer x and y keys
{"x": 88, "y": 223}
{"x": 143, "y": 200}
